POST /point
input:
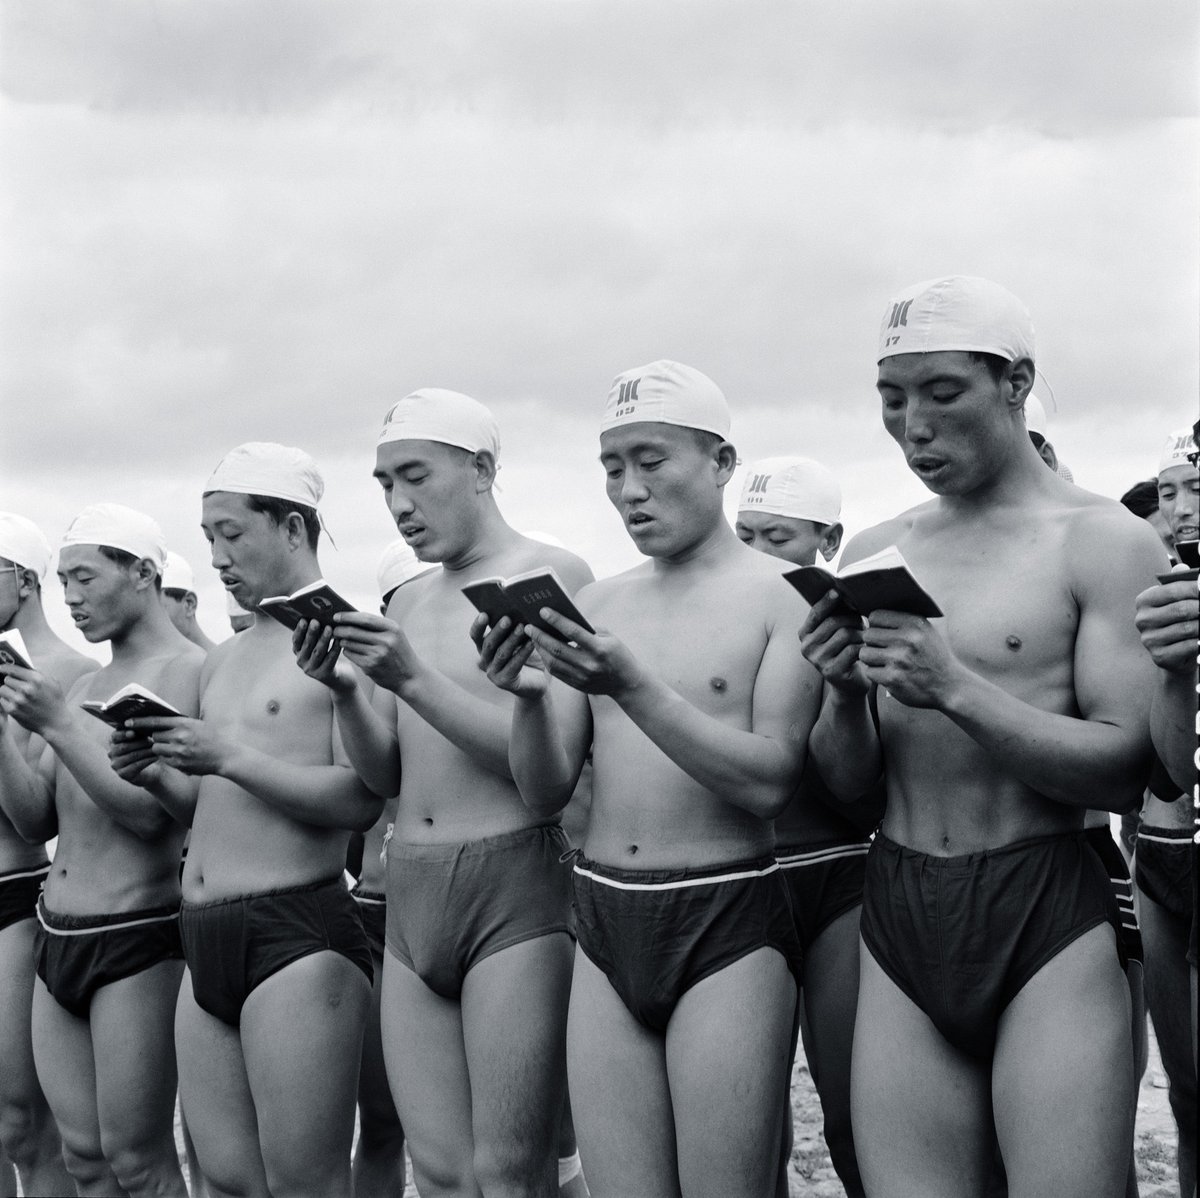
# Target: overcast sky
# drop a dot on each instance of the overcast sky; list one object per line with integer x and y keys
{"x": 232, "y": 220}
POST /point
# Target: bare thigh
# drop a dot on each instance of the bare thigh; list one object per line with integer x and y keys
{"x": 216, "y": 1100}
{"x": 921, "y": 1109}
{"x": 304, "y": 1024}
{"x": 514, "y": 1014}
{"x": 620, "y": 1098}
{"x": 1062, "y": 1076}
{"x": 427, "y": 1070}
{"x": 21, "y": 1100}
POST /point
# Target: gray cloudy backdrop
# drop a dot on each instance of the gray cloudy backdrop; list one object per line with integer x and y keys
{"x": 267, "y": 219}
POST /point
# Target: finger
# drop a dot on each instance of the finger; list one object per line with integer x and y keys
{"x": 362, "y": 620}
{"x": 478, "y": 631}
{"x": 568, "y": 629}
{"x": 157, "y": 723}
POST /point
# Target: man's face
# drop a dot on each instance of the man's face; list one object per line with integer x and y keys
{"x": 664, "y": 483}
{"x": 101, "y": 595}
{"x": 1179, "y": 501}
{"x": 946, "y": 412}
{"x": 786, "y": 537}
{"x": 249, "y": 551}
{"x": 179, "y": 606}
{"x": 430, "y": 490}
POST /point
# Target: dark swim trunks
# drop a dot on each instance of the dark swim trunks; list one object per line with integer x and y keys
{"x": 233, "y": 945}
{"x": 77, "y": 954}
{"x": 1118, "y": 876}
{"x": 823, "y": 881}
{"x": 656, "y": 933}
{"x": 962, "y": 935}
{"x": 19, "y": 892}
{"x": 452, "y": 905}
{"x": 372, "y": 906}
{"x": 1164, "y": 868}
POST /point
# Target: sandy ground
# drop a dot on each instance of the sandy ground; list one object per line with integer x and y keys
{"x": 812, "y": 1176}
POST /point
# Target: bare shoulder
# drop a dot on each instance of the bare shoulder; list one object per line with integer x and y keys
{"x": 406, "y": 597}
{"x": 67, "y": 666}
{"x": 880, "y": 536}
{"x": 570, "y": 567}
{"x": 220, "y": 656}
{"x": 610, "y": 590}
{"x": 1104, "y": 543}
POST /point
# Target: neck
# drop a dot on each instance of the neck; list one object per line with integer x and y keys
{"x": 1018, "y": 478}
{"x": 150, "y": 634}
{"x": 715, "y": 544}
{"x": 30, "y": 622}
{"x": 491, "y": 536}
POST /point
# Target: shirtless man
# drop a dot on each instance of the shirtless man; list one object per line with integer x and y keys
{"x": 990, "y": 987}
{"x": 1165, "y": 854}
{"x": 698, "y": 704}
{"x": 107, "y": 949}
{"x": 478, "y": 955}
{"x": 271, "y": 1012}
{"x": 28, "y": 1136}
{"x": 179, "y": 598}
{"x": 790, "y": 508}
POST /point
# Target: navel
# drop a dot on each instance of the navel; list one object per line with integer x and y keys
{"x": 1013, "y": 642}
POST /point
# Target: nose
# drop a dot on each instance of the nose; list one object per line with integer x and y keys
{"x": 218, "y": 556}
{"x": 400, "y": 505}
{"x": 632, "y": 487}
{"x": 917, "y": 427}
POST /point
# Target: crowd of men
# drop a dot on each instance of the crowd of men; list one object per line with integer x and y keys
{"x": 640, "y": 856}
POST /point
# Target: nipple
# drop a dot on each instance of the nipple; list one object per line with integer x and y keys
{"x": 718, "y": 683}
{"x": 272, "y": 707}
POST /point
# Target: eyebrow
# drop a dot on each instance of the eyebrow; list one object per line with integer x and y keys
{"x": 640, "y": 447}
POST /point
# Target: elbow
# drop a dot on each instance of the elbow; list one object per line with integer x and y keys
{"x": 547, "y": 801}
{"x": 368, "y": 812}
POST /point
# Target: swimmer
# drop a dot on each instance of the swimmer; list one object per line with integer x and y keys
{"x": 989, "y": 928}
{"x": 697, "y": 704}
{"x": 28, "y": 1136}
{"x": 477, "y": 967}
{"x": 790, "y": 508}
{"x": 179, "y": 598}
{"x": 279, "y": 971}
{"x": 107, "y": 948}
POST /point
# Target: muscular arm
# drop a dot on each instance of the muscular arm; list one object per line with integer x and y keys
{"x": 367, "y": 726}
{"x": 548, "y": 746}
{"x": 844, "y": 745}
{"x": 26, "y": 792}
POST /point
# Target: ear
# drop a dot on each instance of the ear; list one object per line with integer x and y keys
{"x": 297, "y": 534}
{"x": 190, "y": 602}
{"x": 831, "y": 541}
{"x": 727, "y": 461}
{"x": 485, "y": 471}
{"x": 1020, "y": 382}
{"x": 144, "y": 573}
{"x": 27, "y": 584}
{"x": 1046, "y": 450}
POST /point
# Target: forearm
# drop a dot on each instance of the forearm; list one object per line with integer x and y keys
{"x": 1072, "y": 760}
{"x": 176, "y": 792}
{"x": 25, "y": 798}
{"x": 1174, "y": 725}
{"x": 754, "y": 772}
{"x": 538, "y": 759}
{"x": 369, "y": 742}
{"x": 326, "y": 796}
{"x": 123, "y": 802}
{"x": 479, "y": 729}
{"x": 844, "y": 745}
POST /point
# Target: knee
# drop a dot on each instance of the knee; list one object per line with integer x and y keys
{"x": 514, "y": 1168}
{"x": 20, "y": 1131}
{"x": 86, "y": 1163}
{"x": 137, "y": 1165}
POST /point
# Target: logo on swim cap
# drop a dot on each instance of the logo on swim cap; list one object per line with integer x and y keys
{"x": 796, "y": 487}
{"x": 667, "y": 392}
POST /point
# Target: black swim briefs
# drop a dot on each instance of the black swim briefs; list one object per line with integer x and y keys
{"x": 962, "y": 935}
{"x": 656, "y": 933}
{"x": 77, "y": 954}
{"x": 1113, "y": 861}
{"x": 233, "y": 945}
{"x": 824, "y": 881}
{"x": 452, "y": 905}
{"x": 372, "y": 906}
{"x": 19, "y": 890}
{"x": 1164, "y": 864}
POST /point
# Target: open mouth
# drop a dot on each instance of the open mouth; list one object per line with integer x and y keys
{"x": 638, "y": 520}
{"x": 926, "y": 466}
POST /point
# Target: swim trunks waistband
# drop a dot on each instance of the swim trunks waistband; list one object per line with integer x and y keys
{"x": 792, "y": 857}
{"x": 304, "y": 888}
{"x": 675, "y": 878}
{"x": 456, "y": 850}
{"x": 59, "y": 924}
{"x": 38, "y": 871}
{"x": 373, "y": 897}
{"x": 1156, "y": 835}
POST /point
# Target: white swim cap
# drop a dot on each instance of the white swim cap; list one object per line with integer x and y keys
{"x": 22, "y": 543}
{"x": 448, "y": 417}
{"x": 959, "y": 312}
{"x": 118, "y": 527}
{"x": 666, "y": 392}
{"x": 177, "y": 574}
{"x": 1035, "y": 416}
{"x": 265, "y": 468}
{"x": 398, "y": 565}
{"x": 797, "y": 487}
{"x": 1176, "y": 449}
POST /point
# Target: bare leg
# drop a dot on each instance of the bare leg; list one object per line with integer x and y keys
{"x": 216, "y": 1101}
{"x": 921, "y": 1109}
{"x": 378, "y": 1168}
{"x": 1062, "y": 1076}
{"x": 830, "y": 999}
{"x": 514, "y": 1010}
{"x": 727, "y": 1053}
{"x": 28, "y": 1134}
{"x": 427, "y": 1071}
{"x": 1168, "y": 995}
{"x": 304, "y": 1023}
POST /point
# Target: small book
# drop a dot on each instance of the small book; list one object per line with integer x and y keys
{"x": 317, "y": 601}
{"x": 882, "y": 580}
{"x": 521, "y": 597}
{"x": 1189, "y": 555}
{"x": 131, "y": 702}
{"x": 13, "y": 651}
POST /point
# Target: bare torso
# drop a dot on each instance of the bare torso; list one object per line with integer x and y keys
{"x": 99, "y": 866}
{"x": 703, "y": 634}
{"x": 255, "y": 694}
